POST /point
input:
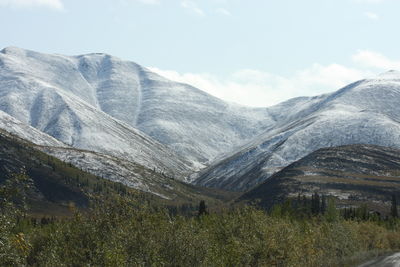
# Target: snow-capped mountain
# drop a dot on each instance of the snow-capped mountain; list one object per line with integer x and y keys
{"x": 94, "y": 101}
{"x": 365, "y": 112}
{"x": 42, "y": 91}
{"x": 100, "y": 103}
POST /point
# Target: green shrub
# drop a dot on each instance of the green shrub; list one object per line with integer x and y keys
{"x": 124, "y": 233}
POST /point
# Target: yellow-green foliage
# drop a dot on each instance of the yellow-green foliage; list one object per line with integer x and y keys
{"x": 13, "y": 246}
{"x": 118, "y": 233}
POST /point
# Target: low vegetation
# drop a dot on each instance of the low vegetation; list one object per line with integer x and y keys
{"x": 120, "y": 231}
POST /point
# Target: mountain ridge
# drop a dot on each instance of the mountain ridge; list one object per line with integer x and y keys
{"x": 177, "y": 115}
{"x": 362, "y": 112}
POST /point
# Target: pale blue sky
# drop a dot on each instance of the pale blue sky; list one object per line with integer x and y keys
{"x": 255, "y": 52}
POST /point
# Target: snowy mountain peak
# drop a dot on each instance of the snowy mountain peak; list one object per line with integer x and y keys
{"x": 12, "y": 50}
{"x": 99, "y": 102}
{"x": 389, "y": 75}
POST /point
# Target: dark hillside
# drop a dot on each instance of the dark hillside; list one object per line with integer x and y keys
{"x": 354, "y": 174}
{"x": 56, "y": 185}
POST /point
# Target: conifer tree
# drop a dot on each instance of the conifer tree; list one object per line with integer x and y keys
{"x": 394, "y": 212}
{"x": 315, "y": 204}
{"x": 202, "y": 208}
{"x": 323, "y": 204}
{"x": 332, "y": 213}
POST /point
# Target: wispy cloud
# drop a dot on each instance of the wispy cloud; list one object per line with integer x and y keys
{"x": 54, "y": 4}
{"x": 371, "y": 59}
{"x": 259, "y": 88}
{"x": 371, "y": 1}
{"x": 371, "y": 15}
{"x": 149, "y": 2}
{"x": 223, "y": 11}
{"x": 192, "y": 6}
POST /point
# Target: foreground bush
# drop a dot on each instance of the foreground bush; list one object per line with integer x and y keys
{"x": 117, "y": 233}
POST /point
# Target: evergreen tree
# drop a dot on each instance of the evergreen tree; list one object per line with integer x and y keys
{"x": 332, "y": 213}
{"x": 315, "y": 204}
{"x": 298, "y": 202}
{"x": 393, "y": 211}
{"x": 346, "y": 214}
{"x": 202, "y": 208}
{"x": 305, "y": 204}
{"x": 362, "y": 212}
{"x": 323, "y": 204}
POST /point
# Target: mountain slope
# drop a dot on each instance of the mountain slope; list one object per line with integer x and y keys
{"x": 27, "y": 132}
{"x": 109, "y": 167}
{"x": 92, "y": 163}
{"x": 134, "y": 175}
{"x": 54, "y": 184}
{"x": 59, "y": 112}
{"x": 195, "y": 125}
{"x": 365, "y": 112}
{"x": 355, "y": 174}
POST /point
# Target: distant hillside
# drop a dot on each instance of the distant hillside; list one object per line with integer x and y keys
{"x": 354, "y": 174}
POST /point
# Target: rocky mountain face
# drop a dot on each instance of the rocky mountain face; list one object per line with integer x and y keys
{"x": 354, "y": 174}
{"x": 365, "y": 112}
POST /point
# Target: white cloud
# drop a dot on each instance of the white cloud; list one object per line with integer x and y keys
{"x": 258, "y": 88}
{"x": 223, "y": 11}
{"x": 371, "y": 15}
{"x": 192, "y": 6}
{"x": 54, "y": 4}
{"x": 371, "y": 1}
{"x": 371, "y": 59}
{"x": 149, "y": 2}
